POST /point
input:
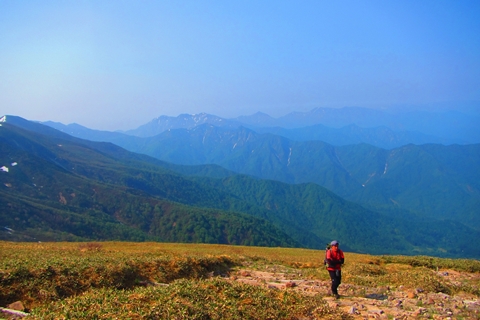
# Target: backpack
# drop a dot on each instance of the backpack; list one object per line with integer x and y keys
{"x": 325, "y": 262}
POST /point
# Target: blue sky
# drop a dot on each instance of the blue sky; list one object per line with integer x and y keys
{"x": 118, "y": 64}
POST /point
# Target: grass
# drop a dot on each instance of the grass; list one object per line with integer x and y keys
{"x": 187, "y": 299}
{"x": 468, "y": 265}
{"x": 109, "y": 280}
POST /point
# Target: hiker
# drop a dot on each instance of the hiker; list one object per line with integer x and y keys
{"x": 335, "y": 259}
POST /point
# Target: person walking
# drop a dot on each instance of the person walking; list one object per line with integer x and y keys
{"x": 335, "y": 259}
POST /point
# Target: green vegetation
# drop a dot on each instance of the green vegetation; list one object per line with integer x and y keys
{"x": 186, "y": 299}
{"x": 467, "y": 265}
{"x": 190, "y": 281}
{"x": 429, "y": 180}
{"x": 48, "y": 272}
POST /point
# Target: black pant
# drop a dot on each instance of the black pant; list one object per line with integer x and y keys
{"x": 336, "y": 277}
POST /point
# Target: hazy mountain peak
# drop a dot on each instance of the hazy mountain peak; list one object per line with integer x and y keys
{"x": 258, "y": 119}
{"x": 260, "y": 114}
{"x": 182, "y": 121}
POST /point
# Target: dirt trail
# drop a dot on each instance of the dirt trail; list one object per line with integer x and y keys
{"x": 373, "y": 303}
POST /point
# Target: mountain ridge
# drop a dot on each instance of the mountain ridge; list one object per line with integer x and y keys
{"x": 265, "y": 199}
{"x": 342, "y": 126}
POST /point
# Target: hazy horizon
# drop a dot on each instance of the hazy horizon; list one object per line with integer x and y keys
{"x": 115, "y": 65}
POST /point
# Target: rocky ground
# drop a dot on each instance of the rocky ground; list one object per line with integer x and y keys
{"x": 374, "y": 303}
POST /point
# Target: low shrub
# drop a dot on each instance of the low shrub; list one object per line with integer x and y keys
{"x": 190, "y": 299}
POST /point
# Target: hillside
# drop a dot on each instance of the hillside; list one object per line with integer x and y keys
{"x": 191, "y": 281}
{"x": 81, "y": 187}
{"x": 381, "y": 136}
{"x": 430, "y": 181}
{"x": 57, "y": 190}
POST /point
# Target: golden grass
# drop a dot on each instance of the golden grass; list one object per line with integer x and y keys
{"x": 75, "y": 274}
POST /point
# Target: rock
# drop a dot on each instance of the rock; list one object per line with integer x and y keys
{"x": 17, "y": 305}
{"x": 14, "y": 311}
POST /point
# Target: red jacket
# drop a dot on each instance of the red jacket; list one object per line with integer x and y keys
{"x": 335, "y": 259}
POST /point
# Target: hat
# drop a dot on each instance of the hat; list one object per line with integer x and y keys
{"x": 334, "y": 243}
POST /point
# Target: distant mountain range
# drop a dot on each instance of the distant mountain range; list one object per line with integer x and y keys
{"x": 183, "y": 121}
{"x": 413, "y": 199}
{"x": 338, "y": 127}
{"x": 451, "y": 126}
{"x": 429, "y": 180}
